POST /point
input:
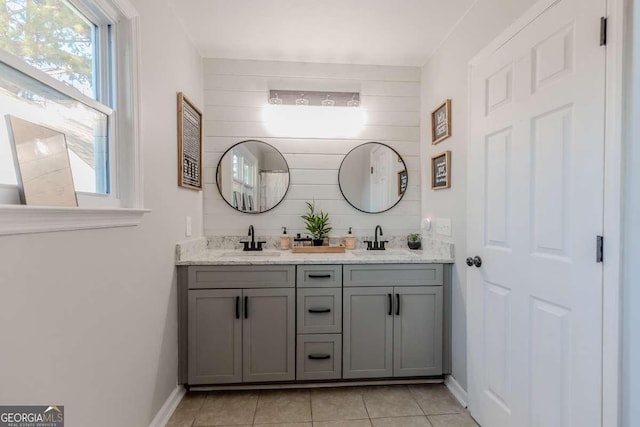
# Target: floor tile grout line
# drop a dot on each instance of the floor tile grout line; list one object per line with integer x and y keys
{"x": 413, "y": 396}
{"x": 310, "y": 407}
{"x": 364, "y": 403}
{"x": 255, "y": 410}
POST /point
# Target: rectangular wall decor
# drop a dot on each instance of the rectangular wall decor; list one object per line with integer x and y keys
{"x": 441, "y": 122}
{"x": 441, "y": 171}
{"x": 189, "y": 144}
{"x": 42, "y": 164}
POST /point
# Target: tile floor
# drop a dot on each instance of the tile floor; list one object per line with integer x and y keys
{"x": 428, "y": 405}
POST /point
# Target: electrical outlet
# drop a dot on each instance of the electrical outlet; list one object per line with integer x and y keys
{"x": 443, "y": 226}
{"x": 187, "y": 226}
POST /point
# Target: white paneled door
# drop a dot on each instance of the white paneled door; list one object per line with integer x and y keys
{"x": 535, "y": 210}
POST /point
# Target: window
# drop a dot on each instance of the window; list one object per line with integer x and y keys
{"x": 244, "y": 177}
{"x": 71, "y": 65}
{"x": 54, "y": 37}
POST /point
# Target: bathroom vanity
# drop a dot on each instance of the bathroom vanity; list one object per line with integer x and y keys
{"x": 277, "y": 317}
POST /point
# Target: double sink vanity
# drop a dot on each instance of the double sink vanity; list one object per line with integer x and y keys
{"x": 270, "y": 317}
{"x": 261, "y": 317}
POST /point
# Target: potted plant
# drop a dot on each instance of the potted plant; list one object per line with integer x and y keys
{"x": 414, "y": 241}
{"x": 317, "y": 224}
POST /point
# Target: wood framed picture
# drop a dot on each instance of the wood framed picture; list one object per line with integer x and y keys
{"x": 189, "y": 144}
{"x": 441, "y": 123}
{"x": 403, "y": 181}
{"x": 441, "y": 171}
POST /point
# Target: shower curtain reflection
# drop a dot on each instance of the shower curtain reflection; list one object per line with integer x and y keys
{"x": 273, "y": 186}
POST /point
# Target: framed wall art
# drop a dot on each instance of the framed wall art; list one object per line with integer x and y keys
{"x": 441, "y": 123}
{"x": 42, "y": 164}
{"x": 441, "y": 171}
{"x": 189, "y": 144}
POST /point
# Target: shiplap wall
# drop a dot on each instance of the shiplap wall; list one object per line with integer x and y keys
{"x": 236, "y": 92}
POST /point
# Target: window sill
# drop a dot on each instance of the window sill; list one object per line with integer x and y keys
{"x": 21, "y": 219}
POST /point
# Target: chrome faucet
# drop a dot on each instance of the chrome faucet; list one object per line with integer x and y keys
{"x": 376, "y": 245}
{"x": 252, "y": 245}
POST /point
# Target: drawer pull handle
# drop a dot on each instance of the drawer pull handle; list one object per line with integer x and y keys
{"x": 319, "y": 356}
{"x": 319, "y": 310}
{"x": 397, "y": 304}
{"x": 390, "y": 304}
{"x": 319, "y": 276}
{"x": 237, "y": 307}
{"x": 246, "y": 307}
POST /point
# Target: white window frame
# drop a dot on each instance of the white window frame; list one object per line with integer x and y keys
{"x": 123, "y": 206}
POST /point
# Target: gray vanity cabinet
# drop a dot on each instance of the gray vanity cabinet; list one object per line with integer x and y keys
{"x": 240, "y": 324}
{"x": 392, "y": 331}
{"x": 394, "y": 326}
{"x": 268, "y": 333}
{"x": 262, "y": 324}
{"x": 241, "y": 335}
{"x": 367, "y": 332}
{"x": 215, "y": 336}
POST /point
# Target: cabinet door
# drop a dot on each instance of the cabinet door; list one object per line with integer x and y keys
{"x": 215, "y": 337}
{"x": 367, "y": 332}
{"x": 268, "y": 335}
{"x": 417, "y": 334}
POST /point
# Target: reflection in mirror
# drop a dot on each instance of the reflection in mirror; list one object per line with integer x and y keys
{"x": 252, "y": 177}
{"x": 373, "y": 177}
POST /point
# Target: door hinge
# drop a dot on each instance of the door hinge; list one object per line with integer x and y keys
{"x": 603, "y": 31}
{"x": 600, "y": 249}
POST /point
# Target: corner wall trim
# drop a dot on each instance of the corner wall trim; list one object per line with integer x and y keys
{"x": 456, "y": 389}
{"x": 164, "y": 414}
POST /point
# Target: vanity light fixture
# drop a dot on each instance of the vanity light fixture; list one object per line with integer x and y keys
{"x": 286, "y": 118}
{"x": 328, "y": 102}
{"x": 302, "y": 100}
{"x": 353, "y": 102}
{"x": 314, "y": 98}
{"x": 275, "y": 100}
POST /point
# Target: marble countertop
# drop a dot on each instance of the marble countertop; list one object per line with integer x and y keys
{"x": 270, "y": 257}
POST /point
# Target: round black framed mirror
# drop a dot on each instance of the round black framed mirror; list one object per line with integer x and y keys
{"x": 373, "y": 177}
{"x": 252, "y": 177}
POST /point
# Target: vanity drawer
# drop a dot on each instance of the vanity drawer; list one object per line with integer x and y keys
{"x": 319, "y": 276}
{"x": 241, "y": 276}
{"x": 393, "y": 275}
{"x": 319, "y": 357}
{"x": 319, "y": 310}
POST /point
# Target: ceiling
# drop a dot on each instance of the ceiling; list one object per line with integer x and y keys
{"x": 380, "y": 32}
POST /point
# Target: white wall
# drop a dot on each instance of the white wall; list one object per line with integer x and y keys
{"x": 445, "y": 76}
{"x": 235, "y": 94}
{"x": 88, "y": 319}
{"x": 631, "y": 271}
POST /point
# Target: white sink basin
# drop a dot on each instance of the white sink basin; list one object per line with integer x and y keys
{"x": 387, "y": 252}
{"x": 237, "y": 254}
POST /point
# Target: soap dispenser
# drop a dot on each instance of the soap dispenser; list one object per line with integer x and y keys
{"x": 350, "y": 240}
{"x": 285, "y": 242}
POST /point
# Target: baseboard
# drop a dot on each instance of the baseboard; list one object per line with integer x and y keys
{"x": 456, "y": 389}
{"x": 164, "y": 414}
{"x": 298, "y": 385}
